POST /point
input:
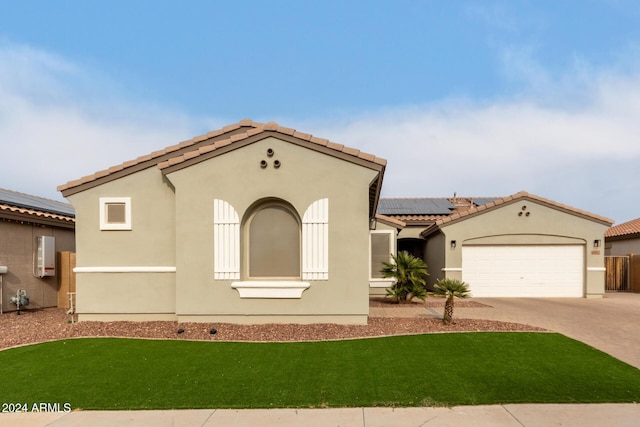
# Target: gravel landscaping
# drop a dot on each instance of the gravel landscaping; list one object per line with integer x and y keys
{"x": 50, "y": 324}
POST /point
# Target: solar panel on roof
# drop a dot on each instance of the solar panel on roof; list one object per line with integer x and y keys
{"x": 424, "y": 206}
{"x": 27, "y": 201}
{"x": 479, "y": 201}
{"x": 418, "y": 206}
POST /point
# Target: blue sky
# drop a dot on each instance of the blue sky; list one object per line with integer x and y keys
{"x": 484, "y": 98}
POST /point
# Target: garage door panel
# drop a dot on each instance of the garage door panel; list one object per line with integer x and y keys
{"x": 524, "y": 271}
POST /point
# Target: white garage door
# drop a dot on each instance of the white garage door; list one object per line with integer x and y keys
{"x": 524, "y": 271}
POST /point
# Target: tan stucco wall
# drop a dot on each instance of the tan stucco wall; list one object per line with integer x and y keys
{"x": 411, "y": 232}
{"x": 125, "y": 293}
{"x": 544, "y": 225}
{"x": 18, "y": 243}
{"x": 623, "y": 247}
{"x": 150, "y": 243}
{"x": 304, "y": 177}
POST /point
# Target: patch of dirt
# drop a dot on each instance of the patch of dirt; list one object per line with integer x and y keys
{"x": 34, "y": 326}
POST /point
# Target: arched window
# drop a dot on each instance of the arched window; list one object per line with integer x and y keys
{"x": 272, "y": 237}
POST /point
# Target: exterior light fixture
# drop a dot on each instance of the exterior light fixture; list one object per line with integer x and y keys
{"x": 453, "y": 244}
{"x": 596, "y": 243}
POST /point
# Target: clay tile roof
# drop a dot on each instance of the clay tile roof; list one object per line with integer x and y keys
{"x": 302, "y": 135}
{"x": 393, "y": 222}
{"x": 270, "y": 126}
{"x": 335, "y": 146}
{"x": 367, "y": 156}
{"x": 274, "y": 127}
{"x": 320, "y": 141}
{"x": 520, "y": 195}
{"x": 12, "y": 202}
{"x": 351, "y": 151}
{"x": 154, "y": 158}
{"x": 286, "y": 131}
{"x": 190, "y": 149}
{"x": 629, "y": 228}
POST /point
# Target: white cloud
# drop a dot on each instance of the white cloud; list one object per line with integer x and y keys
{"x": 570, "y": 140}
{"x": 582, "y": 154}
{"x": 59, "y": 122}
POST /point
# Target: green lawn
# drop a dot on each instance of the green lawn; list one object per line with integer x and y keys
{"x": 438, "y": 369}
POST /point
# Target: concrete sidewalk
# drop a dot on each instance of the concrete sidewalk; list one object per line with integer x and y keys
{"x": 519, "y": 415}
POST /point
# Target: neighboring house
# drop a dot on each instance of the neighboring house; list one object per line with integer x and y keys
{"x": 623, "y": 239}
{"x": 24, "y": 221}
{"x": 520, "y": 246}
{"x": 253, "y": 223}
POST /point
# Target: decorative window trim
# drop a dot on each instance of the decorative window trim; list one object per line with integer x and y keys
{"x": 105, "y": 224}
{"x": 270, "y": 288}
{"x": 226, "y": 241}
{"x": 315, "y": 241}
{"x": 381, "y": 282}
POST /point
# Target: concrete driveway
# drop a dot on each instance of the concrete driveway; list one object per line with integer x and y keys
{"x": 610, "y": 324}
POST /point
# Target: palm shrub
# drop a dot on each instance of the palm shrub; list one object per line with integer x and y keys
{"x": 451, "y": 288}
{"x": 410, "y": 275}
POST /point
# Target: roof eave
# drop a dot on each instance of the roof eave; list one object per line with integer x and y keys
{"x": 41, "y": 218}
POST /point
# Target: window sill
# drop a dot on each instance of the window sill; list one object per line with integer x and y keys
{"x": 381, "y": 283}
{"x": 270, "y": 289}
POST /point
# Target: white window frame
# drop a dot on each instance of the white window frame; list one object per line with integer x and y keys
{"x": 104, "y": 224}
{"x": 382, "y": 282}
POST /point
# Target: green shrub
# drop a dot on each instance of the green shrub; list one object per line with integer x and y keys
{"x": 410, "y": 275}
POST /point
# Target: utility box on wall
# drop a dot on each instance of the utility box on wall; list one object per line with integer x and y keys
{"x": 46, "y": 257}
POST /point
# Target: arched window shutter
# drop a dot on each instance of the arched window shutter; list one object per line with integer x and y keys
{"x": 315, "y": 241}
{"x": 226, "y": 241}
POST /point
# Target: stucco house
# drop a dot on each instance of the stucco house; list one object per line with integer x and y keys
{"x": 33, "y": 231}
{"x": 252, "y": 223}
{"x": 623, "y": 239}
{"x": 257, "y": 223}
{"x": 517, "y": 246}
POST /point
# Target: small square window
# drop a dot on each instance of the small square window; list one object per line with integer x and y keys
{"x": 115, "y": 213}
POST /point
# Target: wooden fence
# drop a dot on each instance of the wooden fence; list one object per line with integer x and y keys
{"x": 634, "y": 273}
{"x": 66, "y": 277}
{"x": 622, "y": 273}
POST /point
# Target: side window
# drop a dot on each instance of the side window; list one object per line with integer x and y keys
{"x": 381, "y": 247}
{"x": 115, "y": 213}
